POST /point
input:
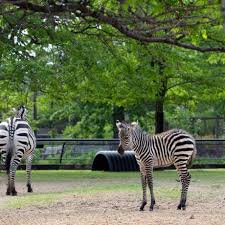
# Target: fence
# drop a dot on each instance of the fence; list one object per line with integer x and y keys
{"x": 76, "y": 152}
{"x": 80, "y": 153}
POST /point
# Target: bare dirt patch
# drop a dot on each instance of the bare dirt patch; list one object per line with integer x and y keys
{"x": 206, "y": 205}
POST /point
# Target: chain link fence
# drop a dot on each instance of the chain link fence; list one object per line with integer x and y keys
{"x": 81, "y": 152}
{"x": 71, "y": 151}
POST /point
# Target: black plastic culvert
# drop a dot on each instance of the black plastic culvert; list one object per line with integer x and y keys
{"x": 113, "y": 161}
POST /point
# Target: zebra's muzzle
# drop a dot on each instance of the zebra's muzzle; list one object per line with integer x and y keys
{"x": 120, "y": 150}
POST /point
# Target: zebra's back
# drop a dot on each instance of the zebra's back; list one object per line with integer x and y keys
{"x": 24, "y": 136}
{"x": 172, "y": 146}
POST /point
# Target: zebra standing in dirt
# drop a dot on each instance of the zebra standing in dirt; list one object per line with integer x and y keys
{"x": 17, "y": 140}
{"x": 174, "y": 147}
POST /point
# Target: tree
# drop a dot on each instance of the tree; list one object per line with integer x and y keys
{"x": 223, "y": 11}
{"x": 71, "y": 55}
{"x": 170, "y": 22}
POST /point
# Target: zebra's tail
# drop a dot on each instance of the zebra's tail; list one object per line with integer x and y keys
{"x": 10, "y": 151}
{"x": 9, "y": 156}
{"x": 192, "y": 157}
{"x": 8, "y": 161}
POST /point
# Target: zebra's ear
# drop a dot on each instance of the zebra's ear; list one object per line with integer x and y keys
{"x": 14, "y": 110}
{"x": 134, "y": 123}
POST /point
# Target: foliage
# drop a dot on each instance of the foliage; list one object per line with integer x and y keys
{"x": 79, "y": 67}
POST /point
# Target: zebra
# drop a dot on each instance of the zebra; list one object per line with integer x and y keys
{"x": 173, "y": 147}
{"x": 17, "y": 140}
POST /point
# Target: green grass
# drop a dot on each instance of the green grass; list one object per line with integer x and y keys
{"x": 93, "y": 182}
{"x": 45, "y": 198}
{"x": 32, "y": 199}
{"x": 208, "y": 175}
{"x": 71, "y": 175}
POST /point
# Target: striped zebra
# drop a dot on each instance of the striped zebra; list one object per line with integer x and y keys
{"x": 173, "y": 147}
{"x": 17, "y": 140}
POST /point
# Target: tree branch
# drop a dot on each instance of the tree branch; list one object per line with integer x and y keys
{"x": 83, "y": 10}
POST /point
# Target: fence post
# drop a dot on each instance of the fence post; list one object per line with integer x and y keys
{"x": 62, "y": 152}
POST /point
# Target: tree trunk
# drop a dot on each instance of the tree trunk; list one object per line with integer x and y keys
{"x": 35, "y": 106}
{"x": 160, "y": 96}
{"x": 117, "y": 114}
{"x": 35, "y": 109}
{"x": 159, "y": 116}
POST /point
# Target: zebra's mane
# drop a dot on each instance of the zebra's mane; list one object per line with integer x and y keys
{"x": 20, "y": 112}
{"x": 136, "y": 126}
{"x": 143, "y": 132}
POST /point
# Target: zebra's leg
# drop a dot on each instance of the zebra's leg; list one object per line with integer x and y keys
{"x": 185, "y": 181}
{"x": 149, "y": 174}
{"x": 143, "y": 182}
{"x": 8, "y": 191}
{"x": 3, "y": 160}
{"x": 3, "y": 157}
{"x": 179, "y": 176}
{"x": 28, "y": 169}
{"x": 13, "y": 167}
{"x": 144, "y": 185}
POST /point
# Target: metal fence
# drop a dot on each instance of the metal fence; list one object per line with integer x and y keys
{"x": 81, "y": 152}
{"x": 71, "y": 151}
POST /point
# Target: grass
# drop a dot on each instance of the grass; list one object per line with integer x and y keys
{"x": 71, "y": 175}
{"x": 91, "y": 182}
{"x": 32, "y": 199}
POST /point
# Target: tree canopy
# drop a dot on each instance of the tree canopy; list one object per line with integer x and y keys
{"x": 189, "y": 24}
{"x": 74, "y": 63}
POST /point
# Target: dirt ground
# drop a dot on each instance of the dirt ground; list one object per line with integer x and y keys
{"x": 206, "y": 205}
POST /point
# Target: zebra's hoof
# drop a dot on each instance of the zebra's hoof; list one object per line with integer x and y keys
{"x": 14, "y": 193}
{"x": 152, "y": 205}
{"x": 30, "y": 190}
{"x": 151, "y": 208}
{"x": 8, "y": 193}
{"x": 179, "y": 207}
{"x": 143, "y": 206}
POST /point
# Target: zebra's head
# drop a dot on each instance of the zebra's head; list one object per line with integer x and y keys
{"x": 21, "y": 112}
{"x": 124, "y": 136}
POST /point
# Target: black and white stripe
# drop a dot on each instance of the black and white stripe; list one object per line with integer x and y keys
{"x": 17, "y": 141}
{"x": 174, "y": 147}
